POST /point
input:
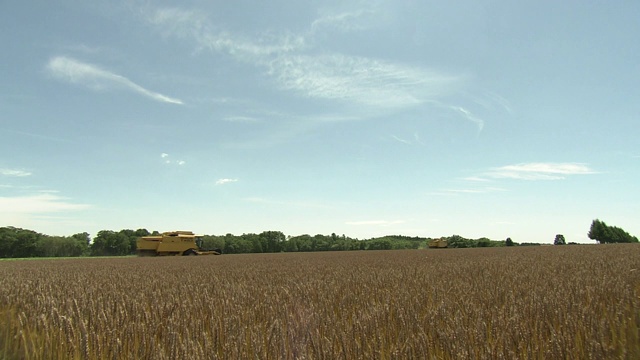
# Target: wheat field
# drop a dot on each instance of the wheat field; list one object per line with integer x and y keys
{"x": 549, "y": 302}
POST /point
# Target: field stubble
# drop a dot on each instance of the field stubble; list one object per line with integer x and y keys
{"x": 530, "y": 303}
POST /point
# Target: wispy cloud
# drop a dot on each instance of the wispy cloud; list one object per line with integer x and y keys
{"x": 414, "y": 141}
{"x": 195, "y": 25}
{"x": 492, "y": 101}
{"x": 539, "y": 171}
{"x": 476, "y": 178}
{"x": 344, "y": 21}
{"x": 167, "y": 160}
{"x": 469, "y": 116}
{"x": 360, "y": 80}
{"x": 361, "y": 86}
{"x": 38, "y": 203}
{"x": 225, "y": 181}
{"x": 398, "y": 139}
{"x": 14, "y": 172}
{"x": 96, "y": 78}
{"x": 334, "y": 76}
{"x": 176, "y": 21}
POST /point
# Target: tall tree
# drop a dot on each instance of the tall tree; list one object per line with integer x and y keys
{"x": 559, "y": 240}
{"x": 605, "y": 234}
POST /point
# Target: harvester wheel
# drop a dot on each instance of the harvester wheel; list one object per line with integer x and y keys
{"x": 190, "y": 252}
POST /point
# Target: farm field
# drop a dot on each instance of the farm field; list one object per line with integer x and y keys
{"x": 549, "y": 302}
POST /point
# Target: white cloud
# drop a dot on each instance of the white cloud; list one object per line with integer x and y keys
{"x": 325, "y": 76}
{"x": 196, "y": 26}
{"x": 225, "y": 181}
{"x": 167, "y": 160}
{"x": 293, "y": 65}
{"x": 93, "y": 77}
{"x": 38, "y": 203}
{"x": 476, "y": 178}
{"x": 344, "y": 21}
{"x": 14, "y": 172}
{"x": 539, "y": 171}
{"x": 416, "y": 139}
{"x": 179, "y": 23}
{"x": 398, "y": 139}
{"x": 360, "y": 80}
{"x": 469, "y": 116}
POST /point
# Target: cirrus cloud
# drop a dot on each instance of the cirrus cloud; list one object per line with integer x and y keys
{"x": 96, "y": 78}
{"x": 225, "y": 181}
{"x": 539, "y": 171}
{"x": 14, "y": 172}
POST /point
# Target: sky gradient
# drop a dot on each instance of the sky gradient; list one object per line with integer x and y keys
{"x": 421, "y": 118}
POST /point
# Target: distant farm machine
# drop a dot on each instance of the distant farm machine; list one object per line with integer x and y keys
{"x": 438, "y": 244}
{"x": 173, "y": 243}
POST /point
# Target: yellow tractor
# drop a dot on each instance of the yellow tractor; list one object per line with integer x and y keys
{"x": 173, "y": 243}
{"x": 438, "y": 243}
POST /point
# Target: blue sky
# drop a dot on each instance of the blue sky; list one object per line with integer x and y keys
{"x": 365, "y": 118}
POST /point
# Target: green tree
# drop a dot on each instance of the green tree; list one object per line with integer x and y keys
{"x": 302, "y": 243}
{"x": 559, "y": 240}
{"x": 272, "y": 241}
{"x": 111, "y": 243}
{"x": 257, "y": 245}
{"x": 509, "y": 242}
{"x": 320, "y": 242}
{"x": 60, "y": 246}
{"x": 7, "y": 239}
{"x": 132, "y": 238}
{"x": 236, "y": 245}
{"x": 483, "y": 242}
{"x": 213, "y": 242}
{"x": 18, "y": 243}
{"x": 457, "y": 241}
{"x": 380, "y": 244}
{"x": 142, "y": 232}
{"x": 84, "y": 241}
{"x": 605, "y": 234}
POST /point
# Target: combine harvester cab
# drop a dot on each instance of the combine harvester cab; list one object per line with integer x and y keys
{"x": 438, "y": 244}
{"x": 173, "y": 243}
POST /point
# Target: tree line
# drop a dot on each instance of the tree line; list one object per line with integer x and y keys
{"x": 23, "y": 243}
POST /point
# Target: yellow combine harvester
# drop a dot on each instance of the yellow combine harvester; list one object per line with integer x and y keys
{"x": 173, "y": 243}
{"x": 438, "y": 244}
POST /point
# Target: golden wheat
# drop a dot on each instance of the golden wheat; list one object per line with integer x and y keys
{"x": 572, "y": 302}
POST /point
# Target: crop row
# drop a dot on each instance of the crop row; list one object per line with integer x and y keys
{"x": 572, "y": 302}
